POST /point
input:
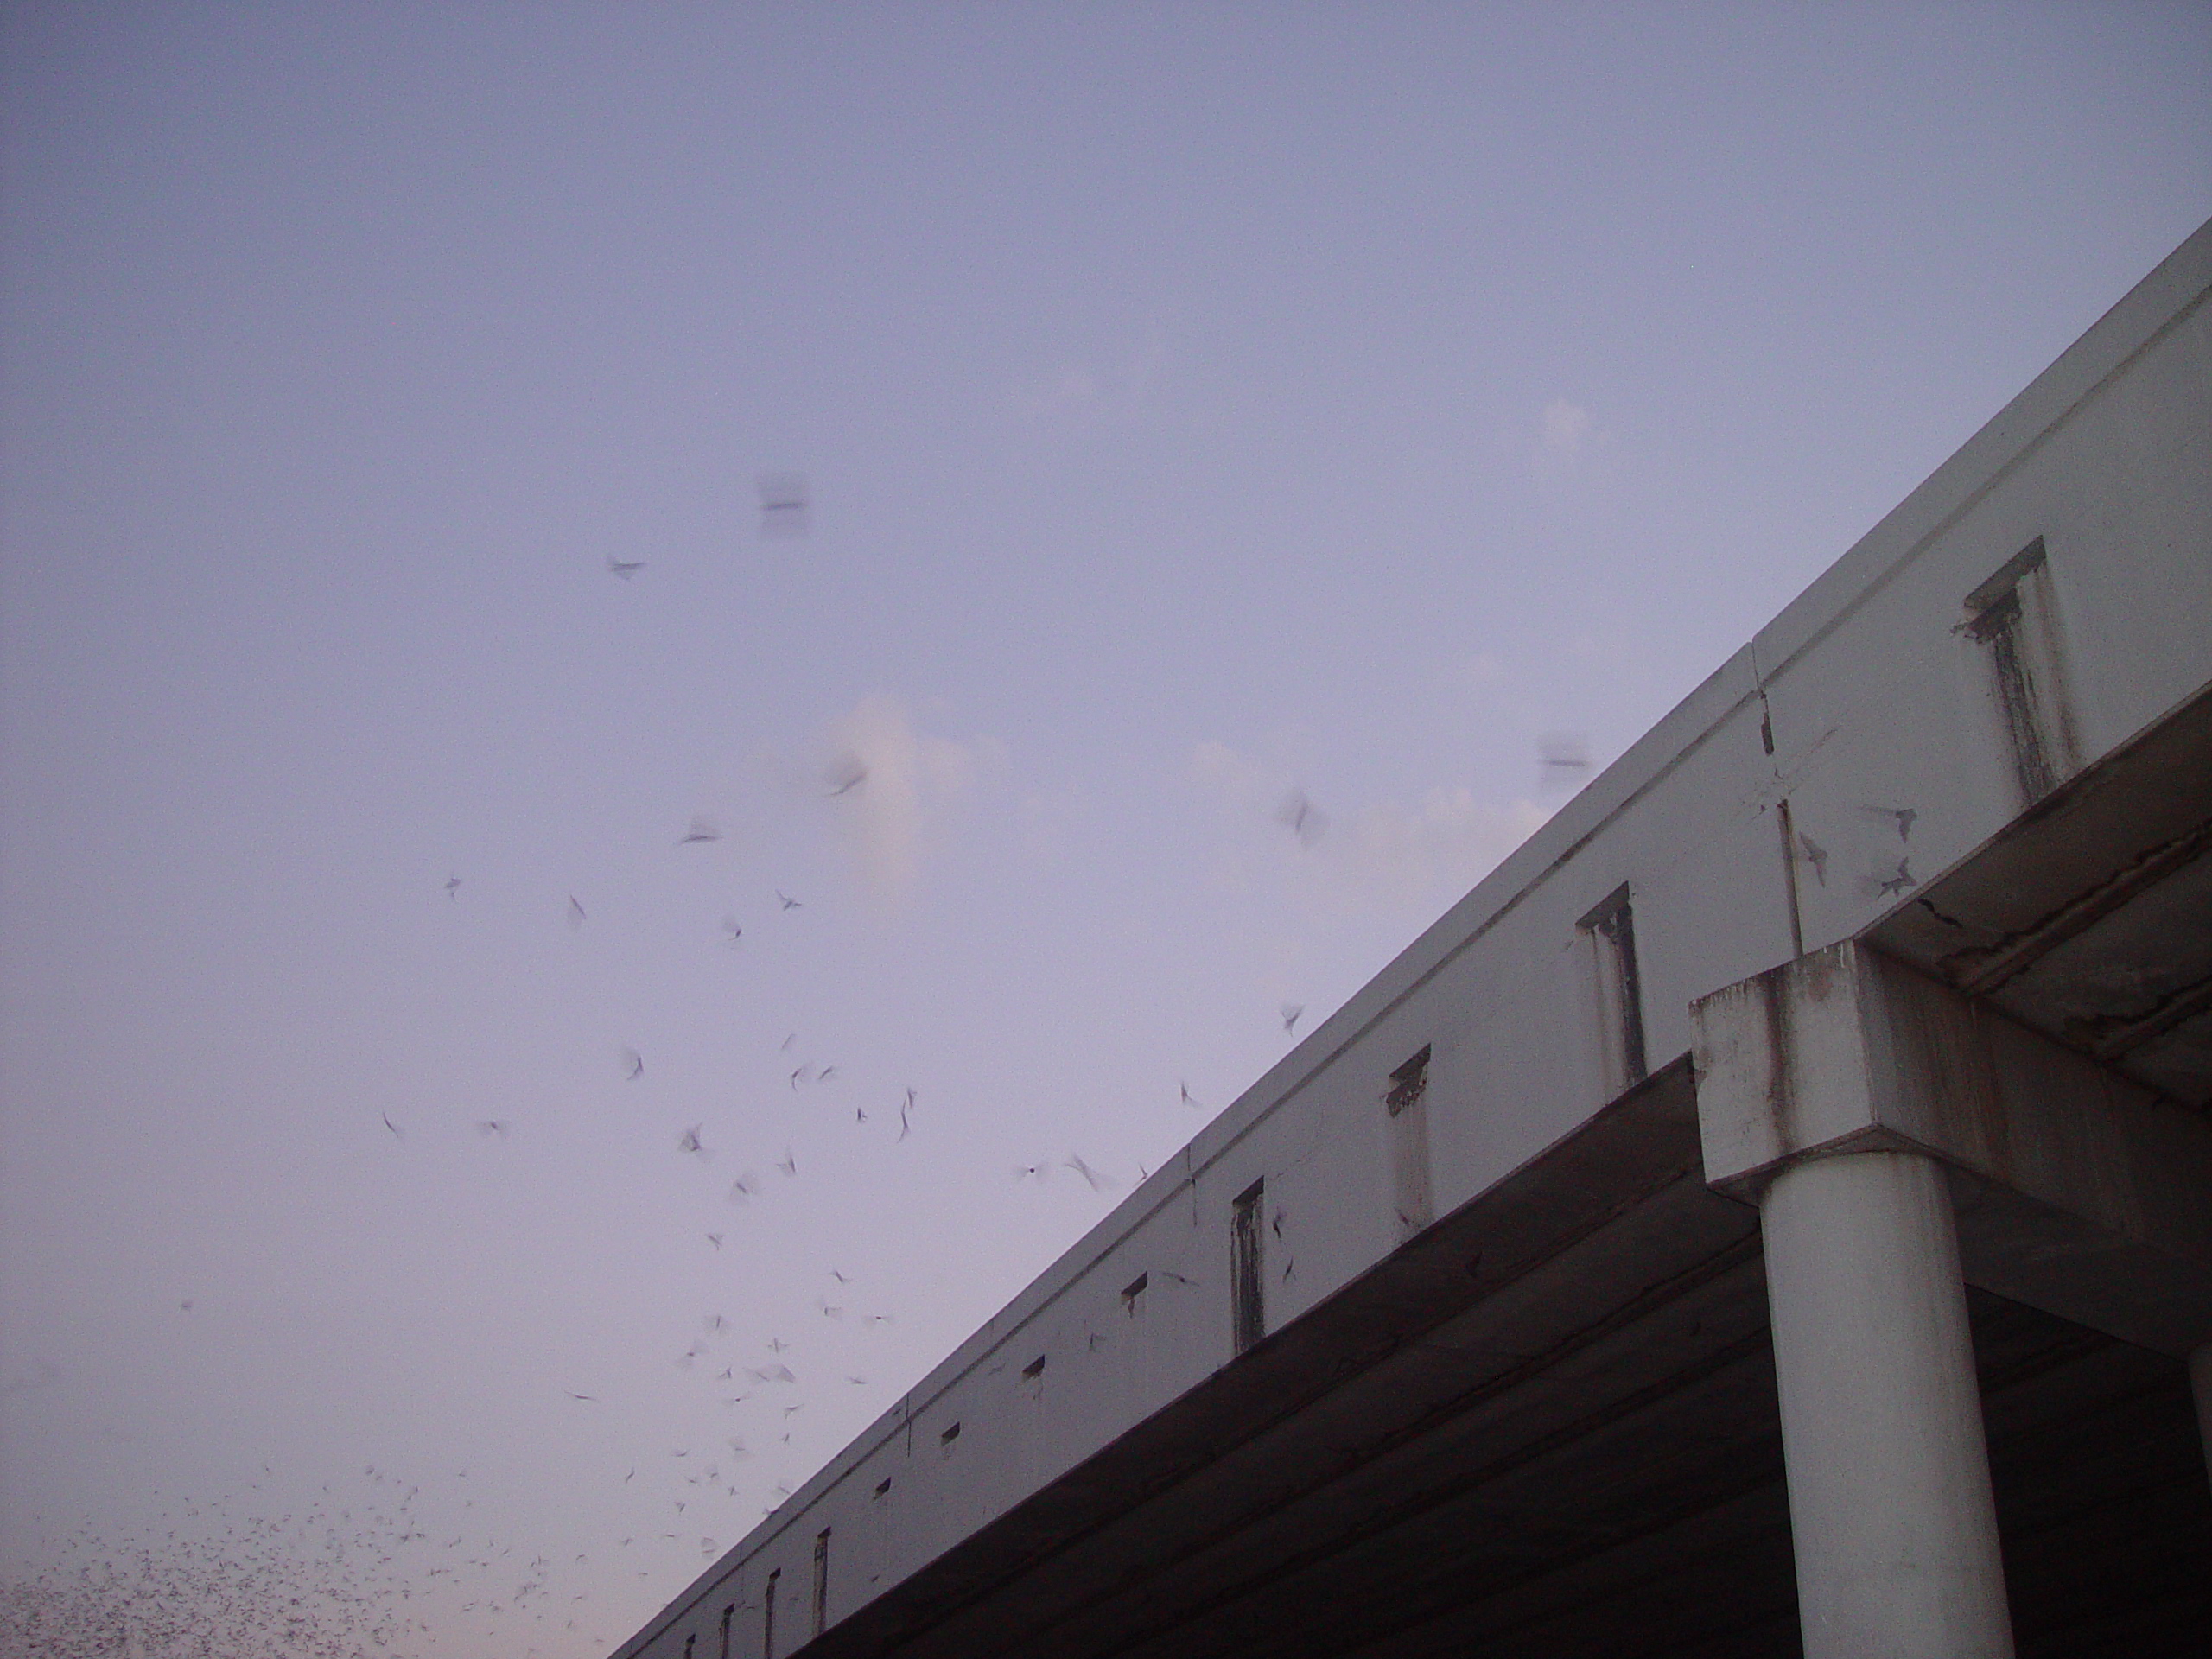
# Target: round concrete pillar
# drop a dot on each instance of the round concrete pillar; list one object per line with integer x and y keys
{"x": 1890, "y": 1507}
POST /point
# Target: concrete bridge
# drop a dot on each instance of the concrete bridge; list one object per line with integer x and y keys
{"x": 1772, "y": 1213}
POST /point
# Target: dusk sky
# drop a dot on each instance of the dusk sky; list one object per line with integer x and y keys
{"x": 1199, "y": 410}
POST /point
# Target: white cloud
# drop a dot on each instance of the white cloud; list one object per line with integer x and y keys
{"x": 1071, "y": 387}
{"x": 1221, "y": 770}
{"x": 1396, "y": 855}
{"x": 1476, "y": 673}
{"x": 1566, "y": 426}
{"x": 1146, "y": 370}
{"x": 895, "y": 787}
{"x": 1383, "y": 857}
{"x": 1118, "y": 387}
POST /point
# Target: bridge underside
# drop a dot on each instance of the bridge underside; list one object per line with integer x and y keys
{"x": 1549, "y": 1425}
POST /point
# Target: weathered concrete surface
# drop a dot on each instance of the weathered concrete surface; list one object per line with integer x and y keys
{"x": 2090, "y": 918}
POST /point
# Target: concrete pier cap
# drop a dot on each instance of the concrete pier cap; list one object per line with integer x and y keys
{"x": 1902, "y": 1141}
{"x": 2078, "y": 1190}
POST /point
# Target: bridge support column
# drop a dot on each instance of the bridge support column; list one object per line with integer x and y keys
{"x": 1890, "y": 1507}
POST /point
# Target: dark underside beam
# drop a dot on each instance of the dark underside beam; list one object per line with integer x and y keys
{"x": 1548, "y": 1427}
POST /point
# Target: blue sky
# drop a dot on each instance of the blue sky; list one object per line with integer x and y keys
{"x": 1195, "y": 405}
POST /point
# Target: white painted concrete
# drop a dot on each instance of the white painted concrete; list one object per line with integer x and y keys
{"x": 1890, "y": 1506}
